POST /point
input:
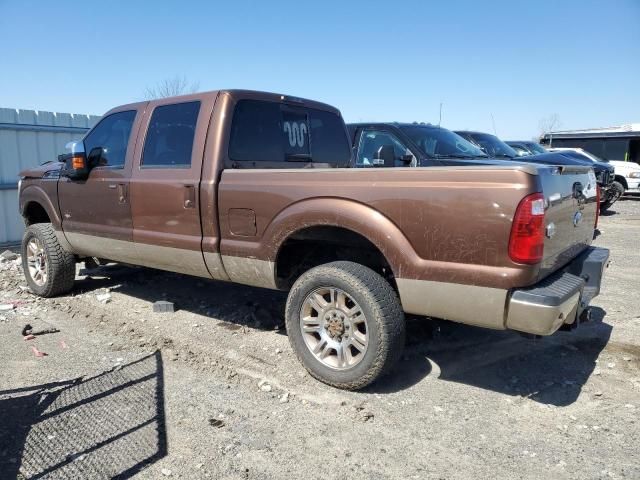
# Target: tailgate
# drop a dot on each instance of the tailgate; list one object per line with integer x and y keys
{"x": 571, "y": 195}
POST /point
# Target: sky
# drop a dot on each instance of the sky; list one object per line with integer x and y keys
{"x": 503, "y": 64}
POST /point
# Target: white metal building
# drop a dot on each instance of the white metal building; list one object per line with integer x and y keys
{"x": 29, "y": 138}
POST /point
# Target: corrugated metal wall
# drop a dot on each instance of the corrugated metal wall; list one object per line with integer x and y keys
{"x": 29, "y": 138}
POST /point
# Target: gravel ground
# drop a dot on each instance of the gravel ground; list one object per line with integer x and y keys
{"x": 214, "y": 391}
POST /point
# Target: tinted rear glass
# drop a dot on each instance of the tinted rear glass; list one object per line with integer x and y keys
{"x": 273, "y": 132}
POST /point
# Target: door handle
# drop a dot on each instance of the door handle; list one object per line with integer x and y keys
{"x": 122, "y": 193}
{"x": 189, "y": 196}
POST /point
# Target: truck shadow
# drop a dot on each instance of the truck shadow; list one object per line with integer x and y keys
{"x": 550, "y": 370}
{"x": 233, "y": 304}
{"x": 110, "y": 425}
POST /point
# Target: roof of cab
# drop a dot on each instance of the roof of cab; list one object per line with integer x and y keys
{"x": 236, "y": 94}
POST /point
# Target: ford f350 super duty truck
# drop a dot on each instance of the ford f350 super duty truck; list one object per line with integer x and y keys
{"x": 255, "y": 188}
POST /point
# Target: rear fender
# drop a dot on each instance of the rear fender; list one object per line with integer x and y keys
{"x": 350, "y": 215}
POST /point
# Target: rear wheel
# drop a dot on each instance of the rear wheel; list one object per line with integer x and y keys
{"x": 616, "y": 190}
{"x": 345, "y": 324}
{"x": 48, "y": 268}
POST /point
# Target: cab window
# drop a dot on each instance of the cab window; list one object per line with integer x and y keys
{"x": 270, "y": 134}
{"x": 112, "y": 134}
{"x": 170, "y": 136}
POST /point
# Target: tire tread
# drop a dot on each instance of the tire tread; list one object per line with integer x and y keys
{"x": 391, "y": 318}
{"x": 61, "y": 264}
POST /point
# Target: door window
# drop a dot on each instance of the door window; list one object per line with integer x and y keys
{"x": 170, "y": 136}
{"x": 112, "y": 134}
{"x": 370, "y": 143}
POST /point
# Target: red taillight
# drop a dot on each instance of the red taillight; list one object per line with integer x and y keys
{"x": 597, "y": 206}
{"x": 526, "y": 244}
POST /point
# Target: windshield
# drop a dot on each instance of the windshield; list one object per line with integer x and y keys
{"x": 493, "y": 146}
{"x": 441, "y": 143}
{"x": 536, "y": 148}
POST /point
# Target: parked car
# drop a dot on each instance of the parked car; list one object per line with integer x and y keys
{"x": 496, "y": 147}
{"x": 490, "y": 144}
{"x": 627, "y": 174}
{"x": 244, "y": 187}
{"x": 526, "y": 146}
{"x": 414, "y": 145}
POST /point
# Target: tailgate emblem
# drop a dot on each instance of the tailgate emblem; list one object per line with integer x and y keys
{"x": 577, "y": 218}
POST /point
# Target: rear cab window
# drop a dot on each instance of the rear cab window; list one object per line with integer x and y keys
{"x": 275, "y": 135}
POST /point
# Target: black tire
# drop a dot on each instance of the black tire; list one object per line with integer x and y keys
{"x": 379, "y": 304}
{"x": 60, "y": 264}
{"x": 616, "y": 190}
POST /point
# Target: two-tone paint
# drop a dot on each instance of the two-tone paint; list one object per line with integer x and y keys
{"x": 443, "y": 231}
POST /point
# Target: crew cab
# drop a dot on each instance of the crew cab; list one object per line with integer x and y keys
{"x": 256, "y": 188}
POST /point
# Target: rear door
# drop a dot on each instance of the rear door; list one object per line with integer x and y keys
{"x": 165, "y": 183}
{"x": 96, "y": 212}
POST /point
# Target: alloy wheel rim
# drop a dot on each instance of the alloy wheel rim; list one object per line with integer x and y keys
{"x": 37, "y": 262}
{"x": 334, "y": 328}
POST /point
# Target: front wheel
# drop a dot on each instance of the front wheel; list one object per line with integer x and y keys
{"x": 616, "y": 190}
{"x": 48, "y": 268}
{"x": 345, "y": 324}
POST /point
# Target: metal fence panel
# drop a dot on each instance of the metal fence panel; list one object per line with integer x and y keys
{"x": 27, "y": 139}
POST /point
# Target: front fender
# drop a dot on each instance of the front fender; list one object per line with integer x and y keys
{"x": 40, "y": 194}
{"x": 43, "y": 193}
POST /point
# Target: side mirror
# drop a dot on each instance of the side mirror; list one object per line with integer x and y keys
{"x": 96, "y": 158}
{"x": 75, "y": 165}
{"x": 385, "y": 157}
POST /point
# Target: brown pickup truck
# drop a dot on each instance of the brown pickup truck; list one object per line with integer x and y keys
{"x": 255, "y": 188}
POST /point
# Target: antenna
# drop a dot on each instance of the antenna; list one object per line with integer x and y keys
{"x": 494, "y": 125}
{"x": 440, "y": 120}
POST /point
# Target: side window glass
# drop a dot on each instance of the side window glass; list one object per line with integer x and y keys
{"x": 169, "y": 141}
{"x": 112, "y": 134}
{"x": 370, "y": 143}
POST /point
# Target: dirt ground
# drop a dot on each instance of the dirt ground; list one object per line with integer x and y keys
{"x": 214, "y": 391}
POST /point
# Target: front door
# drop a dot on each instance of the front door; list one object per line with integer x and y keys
{"x": 165, "y": 186}
{"x": 96, "y": 212}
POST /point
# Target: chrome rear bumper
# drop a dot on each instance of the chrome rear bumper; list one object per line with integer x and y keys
{"x": 560, "y": 298}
